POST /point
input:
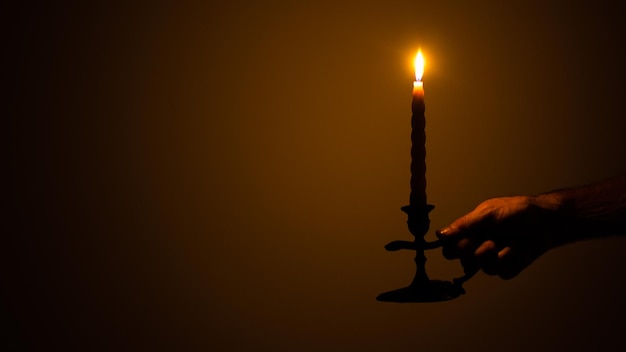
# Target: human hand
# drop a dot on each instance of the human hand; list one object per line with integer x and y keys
{"x": 502, "y": 236}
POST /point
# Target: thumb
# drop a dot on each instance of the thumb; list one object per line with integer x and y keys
{"x": 461, "y": 227}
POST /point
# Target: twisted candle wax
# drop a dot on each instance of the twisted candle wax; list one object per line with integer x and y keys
{"x": 418, "y": 138}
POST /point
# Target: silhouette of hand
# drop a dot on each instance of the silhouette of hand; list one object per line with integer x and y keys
{"x": 502, "y": 236}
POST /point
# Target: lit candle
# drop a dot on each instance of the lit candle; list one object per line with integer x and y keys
{"x": 418, "y": 138}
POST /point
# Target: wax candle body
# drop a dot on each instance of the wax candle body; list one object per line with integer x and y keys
{"x": 418, "y": 147}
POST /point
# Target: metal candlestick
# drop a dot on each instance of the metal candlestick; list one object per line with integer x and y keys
{"x": 422, "y": 289}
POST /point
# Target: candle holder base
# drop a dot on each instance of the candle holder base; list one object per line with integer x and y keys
{"x": 432, "y": 291}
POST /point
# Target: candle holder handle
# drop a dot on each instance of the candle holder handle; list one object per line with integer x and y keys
{"x": 423, "y": 289}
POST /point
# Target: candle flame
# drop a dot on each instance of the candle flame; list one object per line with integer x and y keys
{"x": 419, "y": 66}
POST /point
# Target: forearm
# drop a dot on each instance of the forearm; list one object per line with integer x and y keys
{"x": 596, "y": 210}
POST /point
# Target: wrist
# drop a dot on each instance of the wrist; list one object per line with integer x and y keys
{"x": 560, "y": 222}
{"x": 552, "y": 203}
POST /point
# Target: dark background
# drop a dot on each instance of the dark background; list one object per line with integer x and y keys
{"x": 223, "y": 175}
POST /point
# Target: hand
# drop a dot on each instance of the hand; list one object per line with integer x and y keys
{"x": 502, "y": 236}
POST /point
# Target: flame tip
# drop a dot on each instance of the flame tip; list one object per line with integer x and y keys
{"x": 419, "y": 65}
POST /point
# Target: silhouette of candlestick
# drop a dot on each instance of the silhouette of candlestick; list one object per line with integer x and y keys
{"x": 421, "y": 289}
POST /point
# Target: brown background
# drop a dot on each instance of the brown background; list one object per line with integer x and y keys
{"x": 223, "y": 176}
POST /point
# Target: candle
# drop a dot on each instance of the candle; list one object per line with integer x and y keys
{"x": 421, "y": 289}
{"x": 418, "y": 138}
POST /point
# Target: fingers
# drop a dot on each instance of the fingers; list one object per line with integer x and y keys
{"x": 486, "y": 249}
{"x": 486, "y": 256}
{"x": 463, "y": 248}
{"x": 493, "y": 259}
{"x": 509, "y": 266}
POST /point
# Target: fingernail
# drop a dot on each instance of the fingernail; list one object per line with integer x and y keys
{"x": 443, "y": 232}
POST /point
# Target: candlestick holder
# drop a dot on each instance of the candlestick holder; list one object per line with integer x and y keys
{"x": 422, "y": 289}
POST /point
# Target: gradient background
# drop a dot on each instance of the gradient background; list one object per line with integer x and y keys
{"x": 224, "y": 175}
